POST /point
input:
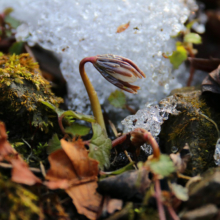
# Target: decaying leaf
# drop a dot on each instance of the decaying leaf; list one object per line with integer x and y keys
{"x": 111, "y": 205}
{"x": 122, "y": 27}
{"x": 212, "y": 82}
{"x": 71, "y": 169}
{"x": 100, "y": 146}
{"x": 20, "y": 170}
{"x": 179, "y": 191}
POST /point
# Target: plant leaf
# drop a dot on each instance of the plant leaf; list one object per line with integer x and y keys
{"x": 53, "y": 144}
{"x": 164, "y": 166}
{"x": 100, "y": 146}
{"x": 179, "y": 191}
{"x": 192, "y": 38}
{"x": 119, "y": 171}
{"x": 72, "y": 170}
{"x": 178, "y": 56}
{"x": 20, "y": 171}
{"x": 77, "y": 129}
{"x": 117, "y": 99}
{"x": 75, "y": 115}
{"x": 16, "y": 48}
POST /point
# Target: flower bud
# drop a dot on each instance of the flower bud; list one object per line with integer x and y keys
{"x": 119, "y": 71}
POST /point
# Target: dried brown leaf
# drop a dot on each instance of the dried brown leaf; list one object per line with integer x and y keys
{"x": 71, "y": 169}
{"x": 123, "y": 27}
{"x": 20, "y": 170}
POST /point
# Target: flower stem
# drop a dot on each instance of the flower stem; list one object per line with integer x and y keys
{"x": 96, "y": 108}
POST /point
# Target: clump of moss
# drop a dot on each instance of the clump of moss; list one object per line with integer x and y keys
{"x": 17, "y": 203}
{"x": 22, "y": 90}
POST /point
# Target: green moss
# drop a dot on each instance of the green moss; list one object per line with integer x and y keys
{"x": 17, "y": 203}
{"x": 22, "y": 89}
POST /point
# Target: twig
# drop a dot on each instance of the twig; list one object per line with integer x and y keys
{"x": 130, "y": 160}
{"x": 172, "y": 213}
{"x": 42, "y": 168}
{"x": 6, "y": 165}
{"x": 158, "y": 199}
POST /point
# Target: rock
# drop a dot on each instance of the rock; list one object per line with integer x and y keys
{"x": 22, "y": 90}
{"x": 206, "y": 191}
{"x": 197, "y": 125}
{"x": 205, "y": 212}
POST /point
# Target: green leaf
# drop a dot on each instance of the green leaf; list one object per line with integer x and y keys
{"x": 71, "y": 113}
{"x": 179, "y": 191}
{"x": 192, "y": 38}
{"x": 164, "y": 166}
{"x": 77, "y": 129}
{"x": 117, "y": 99}
{"x": 16, "y": 48}
{"x": 121, "y": 170}
{"x": 178, "y": 56}
{"x": 53, "y": 144}
{"x": 12, "y": 21}
{"x": 100, "y": 146}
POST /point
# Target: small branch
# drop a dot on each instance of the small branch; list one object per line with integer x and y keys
{"x": 119, "y": 140}
{"x": 9, "y": 166}
{"x": 151, "y": 140}
{"x": 172, "y": 213}
{"x": 130, "y": 160}
{"x": 158, "y": 198}
{"x": 60, "y": 122}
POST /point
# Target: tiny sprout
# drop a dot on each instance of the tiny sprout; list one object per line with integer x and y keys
{"x": 117, "y": 70}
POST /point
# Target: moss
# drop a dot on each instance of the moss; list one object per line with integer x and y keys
{"x": 22, "y": 90}
{"x": 17, "y": 203}
{"x": 197, "y": 125}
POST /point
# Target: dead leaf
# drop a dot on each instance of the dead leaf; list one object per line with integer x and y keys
{"x": 20, "y": 170}
{"x": 71, "y": 169}
{"x": 123, "y": 27}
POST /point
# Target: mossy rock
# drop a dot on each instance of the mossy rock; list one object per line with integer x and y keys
{"x": 17, "y": 203}
{"x": 197, "y": 124}
{"x": 22, "y": 90}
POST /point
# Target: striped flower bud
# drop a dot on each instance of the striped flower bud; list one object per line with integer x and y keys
{"x": 119, "y": 71}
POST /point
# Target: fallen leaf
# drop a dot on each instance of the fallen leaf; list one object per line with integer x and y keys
{"x": 111, "y": 205}
{"x": 71, "y": 169}
{"x": 100, "y": 146}
{"x": 179, "y": 191}
{"x": 20, "y": 171}
{"x": 123, "y": 27}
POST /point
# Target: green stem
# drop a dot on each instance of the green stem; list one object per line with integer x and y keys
{"x": 96, "y": 108}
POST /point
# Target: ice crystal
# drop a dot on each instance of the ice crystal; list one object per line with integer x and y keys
{"x": 217, "y": 153}
{"x": 75, "y": 29}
